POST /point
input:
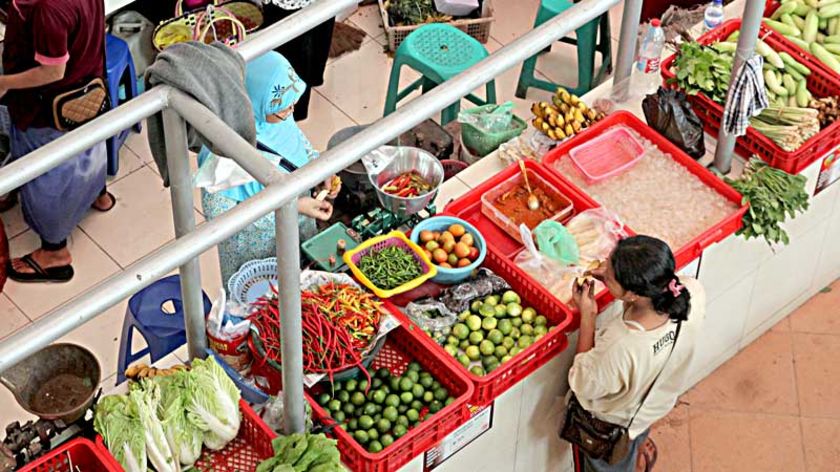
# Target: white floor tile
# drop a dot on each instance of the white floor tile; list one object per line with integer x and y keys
{"x": 324, "y": 120}
{"x": 141, "y": 198}
{"x": 13, "y": 222}
{"x": 513, "y": 19}
{"x": 13, "y": 318}
{"x": 129, "y": 162}
{"x": 369, "y": 19}
{"x": 90, "y": 262}
{"x": 139, "y": 144}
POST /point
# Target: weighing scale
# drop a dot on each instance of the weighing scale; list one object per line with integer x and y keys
{"x": 380, "y": 221}
{"x": 322, "y": 249}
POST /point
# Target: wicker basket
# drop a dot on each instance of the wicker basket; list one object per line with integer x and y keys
{"x": 478, "y": 28}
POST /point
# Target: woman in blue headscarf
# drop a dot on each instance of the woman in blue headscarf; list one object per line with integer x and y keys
{"x": 274, "y": 88}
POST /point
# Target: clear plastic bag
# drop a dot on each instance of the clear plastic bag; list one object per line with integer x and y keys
{"x": 433, "y": 317}
{"x": 597, "y": 231}
{"x": 555, "y": 242}
{"x": 458, "y": 298}
{"x": 488, "y": 118}
{"x": 550, "y": 273}
{"x": 272, "y": 414}
{"x": 531, "y": 144}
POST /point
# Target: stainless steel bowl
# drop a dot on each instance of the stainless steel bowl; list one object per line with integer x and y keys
{"x": 406, "y": 159}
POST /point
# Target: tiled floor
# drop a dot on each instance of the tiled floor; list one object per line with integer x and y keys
{"x": 773, "y": 407}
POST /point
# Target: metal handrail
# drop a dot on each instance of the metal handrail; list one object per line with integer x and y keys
{"x": 278, "y": 196}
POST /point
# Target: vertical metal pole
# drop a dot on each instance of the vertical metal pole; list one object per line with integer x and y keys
{"x": 750, "y": 25}
{"x": 288, "y": 277}
{"x": 626, "y": 55}
{"x": 183, "y": 213}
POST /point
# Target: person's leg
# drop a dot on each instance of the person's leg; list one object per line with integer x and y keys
{"x": 51, "y": 263}
{"x": 105, "y": 201}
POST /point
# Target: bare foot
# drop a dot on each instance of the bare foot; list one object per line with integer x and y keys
{"x": 646, "y": 458}
{"x": 45, "y": 259}
{"x": 104, "y": 202}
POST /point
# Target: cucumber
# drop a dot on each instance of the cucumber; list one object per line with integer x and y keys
{"x": 826, "y": 57}
{"x": 809, "y": 32}
{"x": 725, "y": 46}
{"x": 796, "y": 21}
{"x": 789, "y": 83}
{"x": 812, "y": 3}
{"x": 798, "y": 42}
{"x": 773, "y": 84}
{"x": 825, "y": 3}
{"x": 802, "y": 95}
{"x": 823, "y": 23}
{"x": 769, "y": 54}
{"x": 782, "y": 28}
{"x": 833, "y": 39}
{"x": 791, "y": 101}
{"x": 801, "y": 9}
{"x": 821, "y": 38}
{"x": 830, "y": 11}
{"x": 832, "y": 48}
{"x": 832, "y": 25}
{"x": 795, "y": 74}
{"x": 794, "y": 64}
{"x": 783, "y": 9}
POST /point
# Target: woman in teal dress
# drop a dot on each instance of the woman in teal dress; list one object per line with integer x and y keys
{"x": 274, "y": 88}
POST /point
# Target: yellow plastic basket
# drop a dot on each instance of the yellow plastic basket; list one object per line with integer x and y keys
{"x": 394, "y": 238}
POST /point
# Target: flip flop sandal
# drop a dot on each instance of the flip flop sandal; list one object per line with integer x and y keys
{"x": 650, "y": 460}
{"x": 110, "y": 207}
{"x": 50, "y": 275}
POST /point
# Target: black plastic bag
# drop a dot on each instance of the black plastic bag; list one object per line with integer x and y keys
{"x": 668, "y": 112}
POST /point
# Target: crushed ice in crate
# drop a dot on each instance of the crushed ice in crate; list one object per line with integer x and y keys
{"x": 657, "y": 197}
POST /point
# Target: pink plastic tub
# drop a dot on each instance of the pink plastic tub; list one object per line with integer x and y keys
{"x": 608, "y": 155}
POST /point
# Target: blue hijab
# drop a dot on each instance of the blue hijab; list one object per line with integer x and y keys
{"x": 273, "y": 86}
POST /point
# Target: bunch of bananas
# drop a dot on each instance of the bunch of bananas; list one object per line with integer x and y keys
{"x": 566, "y": 116}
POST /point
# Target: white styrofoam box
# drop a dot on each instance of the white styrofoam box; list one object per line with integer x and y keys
{"x": 728, "y": 261}
{"x": 724, "y": 324}
{"x": 542, "y": 405}
{"x": 785, "y": 277}
{"x": 828, "y": 268}
{"x": 456, "y": 7}
{"x": 496, "y": 449}
{"x": 820, "y": 206}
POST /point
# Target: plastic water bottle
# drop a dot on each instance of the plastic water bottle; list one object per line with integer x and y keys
{"x": 713, "y": 15}
{"x": 650, "y": 52}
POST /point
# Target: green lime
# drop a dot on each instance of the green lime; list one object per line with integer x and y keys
{"x": 486, "y": 348}
{"x": 426, "y": 379}
{"x": 334, "y": 405}
{"x": 394, "y": 383}
{"x": 516, "y": 350}
{"x": 449, "y": 401}
{"x": 373, "y": 434}
{"x": 460, "y": 331}
{"x": 474, "y": 323}
{"x": 406, "y": 397}
{"x": 516, "y": 322}
{"x": 452, "y": 340}
{"x": 402, "y": 409}
{"x": 451, "y": 350}
{"x": 499, "y": 311}
{"x": 524, "y": 342}
{"x": 392, "y": 400}
{"x": 379, "y": 397}
{"x": 500, "y": 351}
{"x": 435, "y": 407}
{"x": 529, "y": 315}
{"x": 477, "y": 370}
{"x": 376, "y": 384}
{"x": 352, "y": 425}
{"x": 487, "y": 310}
{"x": 369, "y": 409}
{"x": 414, "y": 367}
{"x": 514, "y": 310}
{"x": 464, "y": 344}
{"x": 412, "y": 415}
{"x": 361, "y": 437}
{"x": 351, "y": 385}
{"x": 541, "y": 320}
{"x": 374, "y": 447}
{"x": 537, "y": 337}
{"x": 386, "y": 440}
{"x": 505, "y": 359}
{"x": 324, "y": 398}
{"x": 413, "y": 375}
{"x": 492, "y": 365}
{"x": 349, "y": 408}
{"x": 495, "y": 336}
{"x": 476, "y": 337}
{"x": 383, "y": 373}
{"x": 527, "y": 329}
{"x": 390, "y": 413}
{"x": 540, "y": 330}
{"x": 441, "y": 394}
{"x": 429, "y": 395}
{"x": 510, "y": 297}
{"x": 406, "y": 384}
{"x": 515, "y": 333}
{"x": 358, "y": 398}
{"x": 339, "y": 416}
{"x": 473, "y": 353}
{"x": 508, "y": 342}
{"x": 365, "y": 422}
{"x": 383, "y": 425}
{"x": 476, "y": 305}
{"x": 342, "y": 396}
{"x": 489, "y": 323}
{"x": 417, "y": 404}
{"x": 400, "y": 430}
{"x": 505, "y": 325}
{"x": 491, "y": 300}
{"x": 417, "y": 390}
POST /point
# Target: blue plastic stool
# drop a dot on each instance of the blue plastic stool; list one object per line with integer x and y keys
{"x": 164, "y": 332}
{"x": 439, "y": 52}
{"x": 121, "y": 78}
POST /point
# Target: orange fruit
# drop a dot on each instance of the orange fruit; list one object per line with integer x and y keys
{"x": 461, "y": 250}
{"x": 468, "y": 239}
{"x": 457, "y": 230}
{"x": 445, "y": 265}
{"x": 464, "y": 262}
{"x": 448, "y": 246}
{"x": 439, "y": 255}
{"x": 426, "y": 236}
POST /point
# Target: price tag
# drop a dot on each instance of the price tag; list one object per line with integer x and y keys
{"x": 479, "y": 423}
{"x": 829, "y": 171}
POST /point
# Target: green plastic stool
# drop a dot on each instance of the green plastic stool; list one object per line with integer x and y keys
{"x": 587, "y": 46}
{"x": 438, "y": 52}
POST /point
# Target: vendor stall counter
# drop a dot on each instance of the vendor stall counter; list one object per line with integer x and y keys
{"x": 750, "y": 287}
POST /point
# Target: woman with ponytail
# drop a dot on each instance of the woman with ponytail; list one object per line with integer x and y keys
{"x": 631, "y": 369}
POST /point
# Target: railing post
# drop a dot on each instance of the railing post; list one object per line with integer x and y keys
{"x": 626, "y": 55}
{"x": 183, "y": 213}
{"x": 288, "y": 277}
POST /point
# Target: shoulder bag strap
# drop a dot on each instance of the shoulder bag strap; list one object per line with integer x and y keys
{"x": 284, "y": 163}
{"x": 642, "y": 403}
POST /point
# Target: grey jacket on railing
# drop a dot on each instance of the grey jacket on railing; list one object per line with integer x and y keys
{"x": 212, "y": 74}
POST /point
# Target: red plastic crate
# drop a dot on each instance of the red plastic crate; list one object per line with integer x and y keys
{"x": 501, "y": 246}
{"x": 821, "y": 83}
{"x": 83, "y": 453}
{"x": 403, "y": 345}
{"x": 722, "y": 229}
{"x": 251, "y": 446}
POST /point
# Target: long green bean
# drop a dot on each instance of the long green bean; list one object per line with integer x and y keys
{"x": 390, "y": 267}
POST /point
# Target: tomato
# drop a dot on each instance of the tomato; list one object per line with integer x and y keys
{"x": 473, "y": 255}
{"x": 462, "y": 250}
{"x": 440, "y": 255}
{"x": 426, "y": 236}
{"x": 457, "y": 230}
{"x": 468, "y": 239}
{"x": 464, "y": 262}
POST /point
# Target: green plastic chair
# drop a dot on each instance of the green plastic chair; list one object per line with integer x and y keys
{"x": 587, "y": 45}
{"x": 438, "y": 52}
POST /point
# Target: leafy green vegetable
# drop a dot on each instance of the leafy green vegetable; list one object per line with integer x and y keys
{"x": 213, "y": 403}
{"x": 184, "y": 437}
{"x": 117, "y": 421}
{"x": 773, "y": 195}
{"x": 147, "y": 400}
{"x": 303, "y": 453}
{"x": 703, "y": 69}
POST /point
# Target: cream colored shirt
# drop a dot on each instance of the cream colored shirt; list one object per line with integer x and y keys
{"x": 611, "y": 379}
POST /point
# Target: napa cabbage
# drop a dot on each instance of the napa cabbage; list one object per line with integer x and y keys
{"x": 116, "y": 420}
{"x": 213, "y": 403}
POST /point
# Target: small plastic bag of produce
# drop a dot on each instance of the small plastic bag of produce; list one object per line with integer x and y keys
{"x": 556, "y": 243}
{"x": 433, "y": 317}
{"x": 531, "y": 144}
{"x": 272, "y": 413}
{"x": 668, "y": 112}
{"x": 597, "y": 231}
{"x": 456, "y": 7}
{"x": 458, "y": 297}
{"x": 549, "y": 272}
{"x": 485, "y": 128}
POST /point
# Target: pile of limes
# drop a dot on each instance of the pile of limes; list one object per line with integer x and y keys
{"x": 493, "y": 331}
{"x": 392, "y": 405}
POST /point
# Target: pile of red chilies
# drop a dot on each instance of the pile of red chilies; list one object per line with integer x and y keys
{"x": 339, "y": 322}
